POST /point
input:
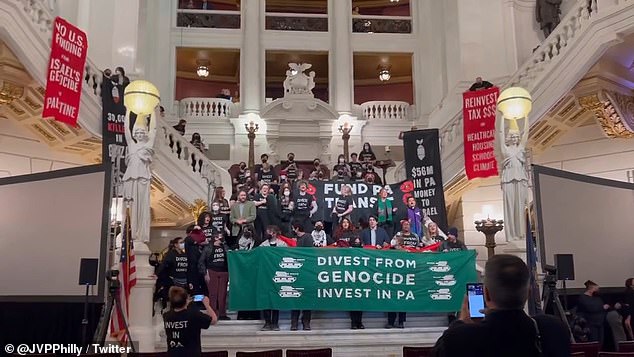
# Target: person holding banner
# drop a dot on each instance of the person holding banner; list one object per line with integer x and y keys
{"x": 415, "y": 217}
{"x": 385, "y": 212}
{"x": 406, "y": 238}
{"x": 304, "y": 206}
{"x": 345, "y": 231}
{"x": 272, "y": 317}
{"x": 374, "y": 235}
{"x": 343, "y": 205}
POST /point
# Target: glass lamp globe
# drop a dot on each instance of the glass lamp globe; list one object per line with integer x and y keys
{"x": 141, "y": 97}
{"x": 515, "y": 103}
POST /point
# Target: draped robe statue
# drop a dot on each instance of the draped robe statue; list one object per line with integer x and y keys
{"x": 514, "y": 180}
{"x": 137, "y": 177}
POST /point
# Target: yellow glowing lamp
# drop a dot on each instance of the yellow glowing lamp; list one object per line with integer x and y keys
{"x": 141, "y": 97}
{"x": 515, "y": 103}
{"x": 513, "y": 125}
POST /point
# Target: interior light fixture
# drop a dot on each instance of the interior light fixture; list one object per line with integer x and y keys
{"x": 384, "y": 73}
{"x": 202, "y": 71}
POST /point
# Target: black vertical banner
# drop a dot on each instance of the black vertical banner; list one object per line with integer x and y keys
{"x": 422, "y": 163}
{"x": 113, "y": 115}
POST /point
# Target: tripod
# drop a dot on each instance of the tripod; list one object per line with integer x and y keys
{"x": 550, "y": 296}
{"x": 113, "y": 300}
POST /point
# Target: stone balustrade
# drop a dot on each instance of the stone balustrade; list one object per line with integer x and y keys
{"x": 385, "y": 110}
{"x": 208, "y": 108}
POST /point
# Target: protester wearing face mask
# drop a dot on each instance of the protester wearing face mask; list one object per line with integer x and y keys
{"x": 175, "y": 264}
{"x": 264, "y": 158}
{"x": 219, "y": 221}
{"x": 213, "y": 264}
{"x": 317, "y": 171}
{"x": 285, "y": 208}
{"x": 291, "y": 167}
{"x": 341, "y": 169}
{"x": 354, "y": 163}
{"x": 304, "y": 206}
{"x": 319, "y": 236}
{"x": 241, "y": 176}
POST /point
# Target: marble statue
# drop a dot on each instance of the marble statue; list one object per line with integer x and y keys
{"x": 137, "y": 177}
{"x": 297, "y": 82}
{"x": 514, "y": 179}
{"x": 547, "y": 15}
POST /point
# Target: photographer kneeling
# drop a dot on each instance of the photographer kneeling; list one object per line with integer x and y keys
{"x": 183, "y": 324}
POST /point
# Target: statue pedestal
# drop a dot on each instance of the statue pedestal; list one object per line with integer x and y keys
{"x": 517, "y": 248}
{"x": 140, "y": 308}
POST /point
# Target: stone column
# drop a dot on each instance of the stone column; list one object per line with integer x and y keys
{"x": 251, "y": 61}
{"x": 340, "y": 25}
{"x": 140, "y": 311}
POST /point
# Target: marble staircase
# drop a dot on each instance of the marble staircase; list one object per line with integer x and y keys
{"x": 329, "y": 329}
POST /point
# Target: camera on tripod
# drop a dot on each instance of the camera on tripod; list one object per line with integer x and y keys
{"x": 551, "y": 275}
{"x": 112, "y": 277}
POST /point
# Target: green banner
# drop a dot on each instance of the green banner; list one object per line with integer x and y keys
{"x": 349, "y": 279}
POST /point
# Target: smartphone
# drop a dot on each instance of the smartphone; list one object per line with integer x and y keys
{"x": 199, "y": 298}
{"x": 475, "y": 293}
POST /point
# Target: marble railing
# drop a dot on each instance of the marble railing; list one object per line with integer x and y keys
{"x": 531, "y": 75}
{"x": 221, "y": 19}
{"x": 296, "y": 22}
{"x": 211, "y": 108}
{"x": 182, "y": 165}
{"x": 386, "y": 110}
{"x": 381, "y": 24}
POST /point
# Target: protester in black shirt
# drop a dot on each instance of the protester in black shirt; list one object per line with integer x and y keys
{"x": 183, "y": 324}
{"x": 267, "y": 207}
{"x": 341, "y": 169}
{"x": 266, "y": 174}
{"x": 354, "y": 164}
{"x": 343, "y": 205}
{"x": 591, "y": 307}
{"x": 452, "y": 244}
{"x": 356, "y": 317}
{"x": 435, "y": 235}
{"x": 345, "y": 231}
{"x": 405, "y": 238}
{"x": 194, "y": 244}
{"x": 241, "y": 175}
{"x": 205, "y": 224}
{"x": 291, "y": 168}
{"x": 285, "y": 209}
{"x": 213, "y": 264}
{"x": 219, "y": 221}
{"x": 175, "y": 264}
{"x": 180, "y": 127}
{"x": 219, "y": 196}
{"x": 303, "y": 240}
{"x": 506, "y": 330}
{"x": 480, "y": 84}
{"x": 367, "y": 155}
{"x": 272, "y": 317}
{"x": 304, "y": 206}
{"x": 370, "y": 176}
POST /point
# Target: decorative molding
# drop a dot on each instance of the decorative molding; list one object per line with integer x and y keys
{"x": 614, "y": 112}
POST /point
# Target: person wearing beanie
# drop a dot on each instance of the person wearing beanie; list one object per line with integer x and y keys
{"x": 194, "y": 244}
{"x": 452, "y": 243}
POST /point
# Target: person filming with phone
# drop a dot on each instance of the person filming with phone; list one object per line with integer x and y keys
{"x": 184, "y": 321}
{"x": 505, "y": 330}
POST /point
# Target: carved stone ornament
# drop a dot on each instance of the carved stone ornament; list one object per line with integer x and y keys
{"x": 199, "y": 206}
{"x": 9, "y": 92}
{"x": 614, "y": 112}
{"x": 297, "y": 82}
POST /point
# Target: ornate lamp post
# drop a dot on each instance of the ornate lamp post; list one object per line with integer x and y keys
{"x": 489, "y": 227}
{"x": 251, "y": 130}
{"x": 345, "y": 130}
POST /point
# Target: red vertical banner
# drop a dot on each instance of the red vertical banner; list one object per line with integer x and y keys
{"x": 69, "y": 47}
{"x": 478, "y": 110}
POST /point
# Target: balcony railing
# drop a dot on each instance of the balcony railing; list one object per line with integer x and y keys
{"x": 381, "y": 24}
{"x": 209, "y": 108}
{"x": 222, "y": 19}
{"x": 296, "y": 22}
{"x": 385, "y": 110}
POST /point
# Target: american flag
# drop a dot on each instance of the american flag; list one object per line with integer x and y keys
{"x": 127, "y": 277}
